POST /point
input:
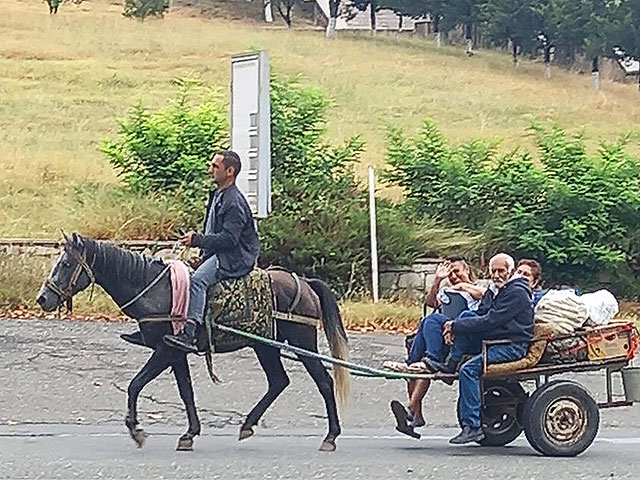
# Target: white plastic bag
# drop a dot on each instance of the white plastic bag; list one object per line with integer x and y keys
{"x": 563, "y": 310}
{"x": 602, "y": 306}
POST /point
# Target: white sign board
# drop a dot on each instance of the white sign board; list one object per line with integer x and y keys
{"x": 251, "y": 127}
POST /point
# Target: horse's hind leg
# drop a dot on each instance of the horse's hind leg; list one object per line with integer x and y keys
{"x": 324, "y": 382}
{"x": 183, "y": 379}
{"x": 157, "y": 363}
{"x": 278, "y": 380}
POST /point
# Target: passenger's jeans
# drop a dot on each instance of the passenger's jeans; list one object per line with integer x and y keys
{"x": 202, "y": 279}
{"x": 428, "y": 341}
{"x": 471, "y": 372}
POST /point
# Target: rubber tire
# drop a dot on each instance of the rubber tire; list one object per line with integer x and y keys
{"x": 515, "y": 429}
{"x": 504, "y": 438}
{"x": 535, "y": 411}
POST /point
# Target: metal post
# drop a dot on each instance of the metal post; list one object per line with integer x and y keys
{"x": 374, "y": 240}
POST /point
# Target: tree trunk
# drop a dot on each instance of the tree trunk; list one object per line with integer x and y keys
{"x": 547, "y": 61}
{"x": 372, "y": 5}
{"x": 334, "y": 5}
{"x": 595, "y": 73}
{"x": 268, "y": 15}
{"x": 286, "y": 15}
{"x": 468, "y": 39}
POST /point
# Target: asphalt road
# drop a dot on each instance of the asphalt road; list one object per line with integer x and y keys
{"x": 62, "y": 401}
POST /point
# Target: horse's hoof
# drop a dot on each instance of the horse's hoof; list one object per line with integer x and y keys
{"x": 245, "y": 433}
{"x": 185, "y": 444}
{"x": 328, "y": 446}
{"x": 139, "y": 436}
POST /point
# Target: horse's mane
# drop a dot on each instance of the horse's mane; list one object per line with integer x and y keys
{"x": 119, "y": 262}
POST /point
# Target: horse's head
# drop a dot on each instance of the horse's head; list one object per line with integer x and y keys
{"x": 71, "y": 274}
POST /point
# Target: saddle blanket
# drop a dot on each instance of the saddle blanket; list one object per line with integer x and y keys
{"x": 244, "y": 303}
{"x": 180, "y": 280}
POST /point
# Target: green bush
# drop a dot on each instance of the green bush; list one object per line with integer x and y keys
{"x": 145, "y": 8}
{"x": 320, "y": 221}
{"x": 576, "y": 213}
{"x": 168, "y": 152}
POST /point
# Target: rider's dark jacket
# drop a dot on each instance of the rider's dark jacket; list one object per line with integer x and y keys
{"x": 234, "y": 239}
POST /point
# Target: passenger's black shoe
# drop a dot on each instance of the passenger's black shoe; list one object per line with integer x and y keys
{"x": 134, "y": 338}
{"x": 402, "y": 419}
{"x": 468, "y": 435}
{"x": 442, "y": 367}
{"x": 186, "y": 340}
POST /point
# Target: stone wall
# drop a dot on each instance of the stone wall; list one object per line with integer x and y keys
{"x": 408, "y": 281}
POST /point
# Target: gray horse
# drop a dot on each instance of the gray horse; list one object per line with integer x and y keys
{"x": 123, "y": 275}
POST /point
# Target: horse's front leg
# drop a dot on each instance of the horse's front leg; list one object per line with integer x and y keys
{"x": 183, "y": 379}
{"x": 157, "y": 363}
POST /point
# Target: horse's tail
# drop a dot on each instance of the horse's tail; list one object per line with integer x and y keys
{"x": 337, "y": 337}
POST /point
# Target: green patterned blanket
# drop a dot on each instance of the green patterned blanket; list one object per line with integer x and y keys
{"x": 244, "y": 303}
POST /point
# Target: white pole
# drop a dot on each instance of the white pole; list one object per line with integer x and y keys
{"x": 374, "y": 240}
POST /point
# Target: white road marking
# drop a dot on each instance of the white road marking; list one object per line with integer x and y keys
{"x": 438, "y": 438}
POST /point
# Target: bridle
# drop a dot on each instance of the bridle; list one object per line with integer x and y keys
{"x": 66, "y": 293}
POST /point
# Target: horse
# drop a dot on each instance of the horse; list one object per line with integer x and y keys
{"x": 124, "y": 275}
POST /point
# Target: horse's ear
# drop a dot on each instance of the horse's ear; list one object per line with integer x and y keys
{"x": 65, "y": 237}
{"x": 77, "y": 241}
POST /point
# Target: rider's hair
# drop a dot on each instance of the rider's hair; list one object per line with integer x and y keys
{"x": 231, "y": 159}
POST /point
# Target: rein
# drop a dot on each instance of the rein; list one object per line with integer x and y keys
{"x": 146, "y": 289}
{"x": 66, "y": 294}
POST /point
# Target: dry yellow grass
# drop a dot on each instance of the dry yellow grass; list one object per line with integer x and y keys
{"x": 64, "y": 79}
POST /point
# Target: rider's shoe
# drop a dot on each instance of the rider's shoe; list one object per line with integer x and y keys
{"x": 134, "y": 338}
{"x": 185, "y": 340}
{"x": 468, "y": 435}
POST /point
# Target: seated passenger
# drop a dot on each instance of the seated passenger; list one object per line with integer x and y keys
{"x": 428, "y": 340}
{"x": 509, "y": 318}
{"x": 532, "y": 271}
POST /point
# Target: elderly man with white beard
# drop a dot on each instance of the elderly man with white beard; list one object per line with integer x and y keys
{"x": 509, "y": 318}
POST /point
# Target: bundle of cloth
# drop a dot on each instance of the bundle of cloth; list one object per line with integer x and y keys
{"x": 565, "y": 311}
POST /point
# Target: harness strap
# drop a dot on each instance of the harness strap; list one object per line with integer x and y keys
{"x": 298, "y": 295}
{"x": 292, "y": 317}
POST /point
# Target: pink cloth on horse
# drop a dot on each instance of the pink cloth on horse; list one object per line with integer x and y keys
{"x": 180, "y": 279}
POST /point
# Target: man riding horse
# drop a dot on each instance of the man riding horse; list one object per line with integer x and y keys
{"x": 229, "y": 245}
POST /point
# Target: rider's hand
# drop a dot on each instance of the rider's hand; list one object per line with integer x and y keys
{"x": 194, "y": 262}
{"x": 187, "y": 239}
{"x": 443, "y": 270}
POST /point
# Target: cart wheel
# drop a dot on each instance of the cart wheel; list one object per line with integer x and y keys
{"x": 501, "y": 413}
{"x": 503, "y": 403}
{"x": 561, "y": 419}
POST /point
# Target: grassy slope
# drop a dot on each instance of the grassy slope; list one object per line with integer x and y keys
{"x": 64, "y": 79}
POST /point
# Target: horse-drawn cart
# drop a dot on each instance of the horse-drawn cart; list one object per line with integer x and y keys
{"x": 559, "y": 417}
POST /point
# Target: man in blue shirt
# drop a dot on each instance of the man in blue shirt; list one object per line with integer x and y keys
{"x": 229, "y": 244}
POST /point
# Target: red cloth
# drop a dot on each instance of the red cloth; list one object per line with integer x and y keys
{"x": 179, "y": 293}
